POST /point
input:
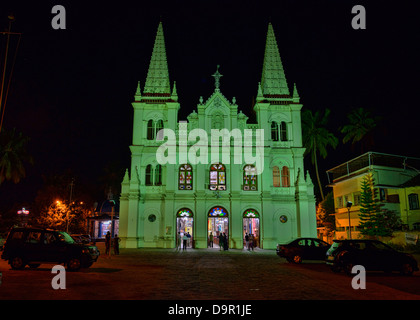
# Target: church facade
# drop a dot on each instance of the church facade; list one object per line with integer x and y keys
{"x": 203, "y": 196}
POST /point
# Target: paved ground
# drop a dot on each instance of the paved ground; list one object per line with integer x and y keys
{"x": 167, "y": 274}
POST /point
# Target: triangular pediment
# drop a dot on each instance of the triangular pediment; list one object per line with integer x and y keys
{"x": 217, "y": 103}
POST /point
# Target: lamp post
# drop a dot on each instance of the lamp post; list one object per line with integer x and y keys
{"x": 23, "y": 214}
{"x": 112, "y": 202}
{"x": 349, "y": 204}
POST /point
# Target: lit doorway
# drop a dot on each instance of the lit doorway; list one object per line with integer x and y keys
{"x": 251, "y": 226}
{"x": 184, "y": 226}
{"x": 217, "y": 225}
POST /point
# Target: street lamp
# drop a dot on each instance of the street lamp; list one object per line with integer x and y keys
{"x": 349, "y": 204}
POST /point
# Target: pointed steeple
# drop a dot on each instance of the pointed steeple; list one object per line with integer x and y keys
{"x": 174, "y": 95}
{"x": 157, "y": 81}
{"x": 273, "y": 80}
{"x": 137, "y": 96}
{"x": 295, "y": 96}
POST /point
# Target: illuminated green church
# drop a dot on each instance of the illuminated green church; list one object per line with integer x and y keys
{"x": 161, "y": 202}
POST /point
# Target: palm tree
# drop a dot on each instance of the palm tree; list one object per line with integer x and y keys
{"x": 360, "y": 126}
{"x": 13, "y": 155}
{"x": 316, "y": 138}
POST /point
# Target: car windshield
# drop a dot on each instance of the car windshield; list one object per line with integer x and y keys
{"x": 64, "y": 236}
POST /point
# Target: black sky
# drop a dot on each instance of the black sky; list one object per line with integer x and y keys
{"x": 72, "y": 89}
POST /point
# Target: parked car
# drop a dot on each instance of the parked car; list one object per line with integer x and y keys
{"x": 34, "y": 246}
{"x": 303, "y": 249}
{"x": 373, "y": 255}
{"x": 81, "y": 238}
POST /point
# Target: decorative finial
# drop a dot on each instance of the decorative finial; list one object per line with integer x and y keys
{"x": 217, "y": 77}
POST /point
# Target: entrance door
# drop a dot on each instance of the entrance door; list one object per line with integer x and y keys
{"x": 217, "y": 226}
{"x": 251, "y": 226}
{"x": 184, "y": 227}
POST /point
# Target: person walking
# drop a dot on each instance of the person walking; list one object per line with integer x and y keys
{"x": 117, "y": 245}
{"x": 107, "y": 242}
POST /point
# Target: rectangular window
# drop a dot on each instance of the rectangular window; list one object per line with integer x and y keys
{"x": 339, "y": 202}
{"x": 356, "y": 198}
{"x": 413, "y": 201}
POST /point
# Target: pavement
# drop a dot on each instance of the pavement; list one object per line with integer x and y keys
{"x": 202, "y": 274}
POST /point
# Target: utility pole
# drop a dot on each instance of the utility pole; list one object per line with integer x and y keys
{"x": 71, "y": 195}
{"x": 3, "y": 95}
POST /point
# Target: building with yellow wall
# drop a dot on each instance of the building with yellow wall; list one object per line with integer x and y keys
{"x": 396, "y": 178}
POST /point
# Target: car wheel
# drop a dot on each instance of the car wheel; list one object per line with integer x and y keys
{"x": 407, "y": 269}
{"x": 74, "y": 264}
{"x": 17, "y": 263}
{"x": 335, "y": 269}
{"x": 297, "y": 259}
{"x": 348, "y": 266}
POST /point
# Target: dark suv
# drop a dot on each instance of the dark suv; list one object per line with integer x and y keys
{"x": 373, "y": 255}
{"x": 34, "y": 246}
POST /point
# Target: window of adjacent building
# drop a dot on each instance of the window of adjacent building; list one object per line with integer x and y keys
{"x": 285, "y": 177}
{"x": 339, "y": 202}
{"x": 413, "y": 201}
{"x": 276, "y": 177}
{"x": 185, "y": 177}
{"x": 250, "y": 178}
{"x": 356, "y": 199}
{"x": 217, "y": 177}
{"x": 153, "y": 128}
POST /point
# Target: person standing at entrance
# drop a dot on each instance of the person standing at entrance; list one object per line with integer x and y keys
{"x": 251, "y": 241}
{"x": 246, "y": 240}
{"x": 211, "y": 240}
{"x": 184, "y": 242}
{"x": 221, "y": 240}
{"x": 225, "y": 242}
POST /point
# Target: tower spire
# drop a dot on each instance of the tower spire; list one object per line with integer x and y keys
{"x": 157, "y": 81}
{"x": 273, "y": 80}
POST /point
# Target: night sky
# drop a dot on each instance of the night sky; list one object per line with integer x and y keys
{"x": 72, "y": 89}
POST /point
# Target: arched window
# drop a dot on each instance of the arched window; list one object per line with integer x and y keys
{"x": 184, "y": 212}
{"x": 217, "y": 212}
{"x": 283, "y": 131}
{"x": 158, "y": 175}
{"x": 153, "y": 128}
{"x": 276, "y": 177}
{"x": 274, "y": 131}
{"x": 285, "y": 177}
{"x": 150, "y": 130}
{"x": 149, "y": 170}
{"x": 185, "y": 178}
{"x": 250, "y": 178}
{"x": 217, "y": 177}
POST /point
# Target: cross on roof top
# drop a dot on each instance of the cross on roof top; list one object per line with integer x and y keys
{"x": 217, "y": 77}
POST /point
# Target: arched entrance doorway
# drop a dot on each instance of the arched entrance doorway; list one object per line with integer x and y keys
{"x": 184, "y": 226}
{"x": 251, "y": 223}
{"x": 217, "y": 224}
